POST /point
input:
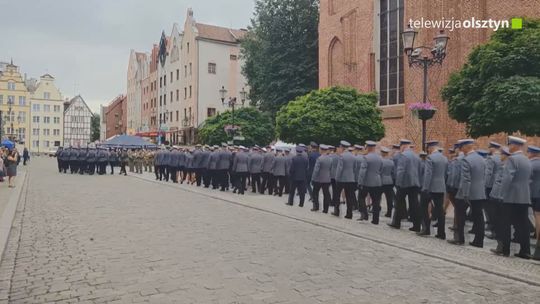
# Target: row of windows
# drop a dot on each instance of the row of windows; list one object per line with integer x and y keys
{"x": 20, "y": 118}
{"x": 46, "y": 119}
{"x": 11, "y": 100}
{"x": 46, "y": 143}
{"x": 21, "y": 132}
{"x": 56, "y": 132}
{"x": 77, "y": 131}
{"x": 46, "y": 108}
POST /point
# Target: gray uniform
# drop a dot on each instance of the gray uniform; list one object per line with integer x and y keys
{"x": 407, "y": 170}
{"x": 240, "y": 164}
{"x": 322, "y": 170}
{"x": 493, "y": 162}
{"x": 387, "y": 172}
{"x": 370, "y": 174}
{"x": 408, "y": 184}
{"x": 346, "y": 174}
{"x": 434, "y": 173}
{"x": 280, "y": 166}
{"x": 535, "y": 178}
{"x": 255, "y": 163}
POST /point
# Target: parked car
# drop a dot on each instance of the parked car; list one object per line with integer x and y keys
{"x": 52, "y": 151}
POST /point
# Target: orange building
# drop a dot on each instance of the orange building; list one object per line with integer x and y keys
{"x": 116, "y": 116}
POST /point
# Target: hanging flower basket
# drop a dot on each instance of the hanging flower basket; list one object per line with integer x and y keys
{"x": 424, "y": 111}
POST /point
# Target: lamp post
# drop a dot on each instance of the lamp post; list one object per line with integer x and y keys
{"x": 417, "y": 58}
{"x": 231, "y": 103}
{"x": 1, "y": 124}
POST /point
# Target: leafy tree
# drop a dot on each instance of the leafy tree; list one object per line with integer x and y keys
{"x": 95, "y": 127}
{"x": 255, "y": 126}
{"x": 281, "y": 52}
{"x": 329, "y": 116}
{"x": 498, "y": 89}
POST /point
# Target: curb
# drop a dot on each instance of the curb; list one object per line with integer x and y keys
{"x": 6, "y": 220}
{"x": 496, "y": 272}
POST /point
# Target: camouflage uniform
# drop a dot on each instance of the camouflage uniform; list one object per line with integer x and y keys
{"x": 149, "y": 160}
{"x": 139, "y": 158}
{"x": 131, "y": 160}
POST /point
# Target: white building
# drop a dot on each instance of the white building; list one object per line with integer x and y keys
{"x": 47, "y": 111}
{"x": 172, "y": 86}
{"x": 210, "y": 58}
{"x": 137, "y": 64}
{"x": 77, "y": 122}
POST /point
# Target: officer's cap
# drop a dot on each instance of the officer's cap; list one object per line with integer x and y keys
{"x": 264, "y": 149}
{"x": 350, "y": 148}
{"x": 533, "y": 149}
{"x": 482, "y": 152}
{"x": 370, "y": 143}
{"x": 516, "y": 140}
{"x": 299, "y": 149}
{"x": 359, "y": 147}
{"x": 506, "y": 151}
{"x": 451, "y": 150}
{"x": 223, "y": 144}
{"x": 323, "y": 147}
{"x": 385, "y": 150}
{"x": 404, "y": 141}
{"x": 423, "y": 153}
{"x": 331, "y": 147}
{"x": 313, "y": 144}
{"x": 465, "y": 141}
{"x": 493, "y": 144}
{"x": 302, "y": 145}
{"x": 396, "y": 146}
{"x": 432, "y": 143}
{"x": 344, "y": 143}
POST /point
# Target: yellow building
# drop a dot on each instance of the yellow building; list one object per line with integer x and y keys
{"x": 14, "y": 105}
{"x": 47, "y": 108}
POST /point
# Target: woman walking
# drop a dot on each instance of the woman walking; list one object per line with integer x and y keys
{"x": 11, "y": 167}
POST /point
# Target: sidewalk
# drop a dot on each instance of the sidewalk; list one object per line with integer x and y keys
{"x": 9, "y": 198}
{"x": 480, "y": 259}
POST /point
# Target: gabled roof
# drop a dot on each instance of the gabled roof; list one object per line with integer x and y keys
{"x": 47, "y": 75}
{"x": 218, "y": 33}
{"x": 76, "y": 98}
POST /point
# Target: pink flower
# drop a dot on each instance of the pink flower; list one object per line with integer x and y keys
{"x": 421, "y": 106}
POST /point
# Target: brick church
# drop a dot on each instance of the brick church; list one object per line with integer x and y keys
{"x": 360, "y": 46}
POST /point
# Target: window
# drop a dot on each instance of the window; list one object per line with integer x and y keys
{"x": 188, "y": 47}
{"x": 35, "y": 132}
{"x": 22, "y": 133}
{"x": 35, "y": 119}
{"x": 165, "y": 99}
{"x": 190, "y": 70}
{"x": 160, "y": 100}
{"x": 185, "y": 71}
{"x": 160, "y": 82}
{"x": 11, "y": 85}
{"x": 211, "y": 68}
{"x": 11, "y": 99}
{"x": 35, "y": 143}
{"x": 165, "y": 80}
{"x": 210, "y": 112}
{"x": 56, "y": 120}
{"x": 189, "y": 91}
{"x": 22, "y": 116}
{"x": 391, "y": 53}
{"x": 46, "y": 95}
{"x": 1, "y": 99}
{"x": 177, "y": 95}
{"x": 36, "y": 107}
{"x": 46, "y": 108}
{"x": 177, "y": 115}
{"x": 47, "y": 143}
{"x": 22, "y": 100}
{"x": 171, "y": 97}
{"x": 177, "y": 74}
{"x": 57, "y": 108}
{"x": 46, "y": 131}
{"x": 56, "y": 132}
{"x": 171, "y": 77}
{"x": 171, "y": 116}
{"x": 47, "y": 119}
{"x": 185, "y": 93}
{"x": 234, "y": 57}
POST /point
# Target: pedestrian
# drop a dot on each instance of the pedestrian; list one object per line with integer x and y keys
{"x": 267, "y": 177}
{"x": 471, "y": 193}
{"x": 493, "y": 162}
{"x": 534, "y": 156}
{"x": 73, "y": 160}
{"x": 223, "y": 164}
{"x": 433, "y": 189}
{"x": 313, "y": 155}
{"x": 131, "y": 160}
{"x": 11, "y": 166}
{"x": 205, "y": 161}
{"x": 388, "y": 181}
{"x": 240, "y": 169}
{"x": 346, "y": 171}
{"x": 113, "y": 160}
{"x": 370, "y": 178}
{"x": 212, "y": 167}
{"x": 321, "y": 179}
{"x": 408, "y": 186}
{"x": 298, "y": 173}
{"x": 124, "y": 159}
{"x": 516, "y": 192}
{"x": 255, "y": 165}
{"x": 26, "y": 156}
{"x": 91, "y": 161}
{"x": 2, "y": 166}
{"x": 279, "y": 169}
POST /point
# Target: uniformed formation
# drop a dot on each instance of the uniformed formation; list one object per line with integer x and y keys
{"x": 497, "y": 186}
{"x": 96, "y": 160}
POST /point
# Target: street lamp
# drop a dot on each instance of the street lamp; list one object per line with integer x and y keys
{"x": 243, "y": 95}
{"x": 223, "y": 93}
{"x": 417, "y": 57}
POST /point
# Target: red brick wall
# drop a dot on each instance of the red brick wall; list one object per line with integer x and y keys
{"x": 398, "y": 120}
{"x": 116, "y": 116}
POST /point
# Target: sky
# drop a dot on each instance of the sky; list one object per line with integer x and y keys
{"x": 85, "y": 44}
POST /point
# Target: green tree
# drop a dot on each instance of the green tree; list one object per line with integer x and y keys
{"x": 330, "y": 115}
{"x": 95, "y": 128}
{"x": 281, "y": 52}
{"x": 255, "y": 126}
{"x": 498, "y": 89}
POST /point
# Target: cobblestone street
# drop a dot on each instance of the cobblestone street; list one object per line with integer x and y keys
{"x": 116, "y": 239}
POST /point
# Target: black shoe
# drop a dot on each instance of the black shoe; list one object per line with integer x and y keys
{"x": 523, "y": 256}
{"x": 375, "y": 222}
{"x": 452, "y": 228}
{"x": 288, "y": 204}
{"x": 301, "y": 205}
{"x": 394, "y": 226}
{"x": 499, "y": 252}
{"x": 471, "y": 231}
{"x": 388, "y": 215}
{"x": 423, "y": 233}
{"x": 476, "y": 245}
{"x": 435, "y": 224}
{"x": 335, "y": 214}
{"x": 490, "y": 236}
{"x": 349, "y": 217}
{"x": 454, "y": 242}
{"x": 314, "y": 209}
{"x": 325, "y": 211}
{"x": 441, "y": 237}
{"x": 414, "y": 229}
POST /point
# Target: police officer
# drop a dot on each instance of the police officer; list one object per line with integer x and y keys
{"x": 298, "y": 173}
{"x": 493, "y": 162}
{"x": 205, "y": 160}
{"x": 240, "y": 168}
{"x": 515, "y": 188}
{"x": 58, "y": 158}
{"x": 534, "y": 156}
{"x": 164, "y": 168}
{"x": 335, "y": 159}
{"x": 158, "y": 160}
{"x": 362, "y": 191}
{"x": 73, "y": 160}
{"x": 279, "y": 169}
{"x": 471, "y": 192}
{"x": 370, "y": 178}
{"x": 313, "y": 154}
{"x": 131, "y": 160}
{"x": 113, "y": 159}
{"x": 321, "y": 179}
{"x": 174, "y": 163}
{"x": 256, "y": 161}
{"x": 65, "y": 159}
{"x": 407, "y": 184}
{"x": 388, "y": 180}
{"x": 496, "y": 198}
{"x": 212, "y": 168}
{"x": 346, "y": 178}
{"x": 433, "y": 189}
{"x": 188, "y": 165}
{"x": 124, "y": 158}
{"x": 267, "y": 177}
{"x": 91, "y": 161}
